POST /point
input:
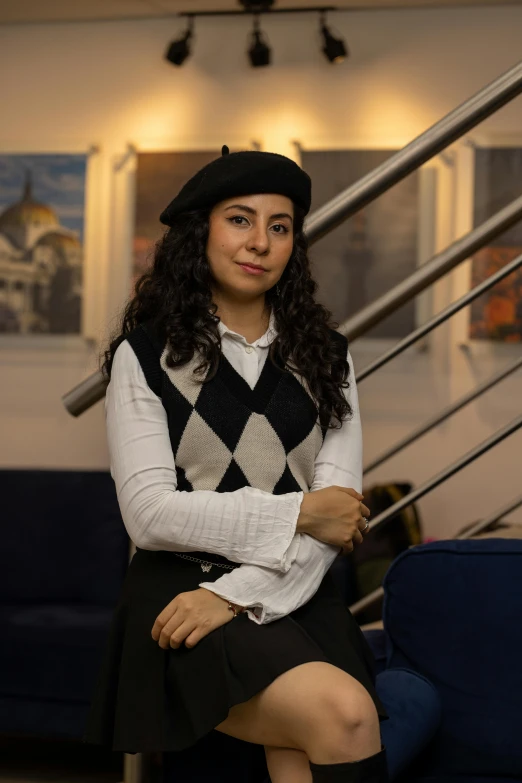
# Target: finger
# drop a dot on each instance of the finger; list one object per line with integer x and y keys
{"x": 348, "y": 548}
{"x": 357, "y": 537}
{"x": 162, "y": 619}
{"x": 158, "y": 626}
{"x": 169, "y": 628}
{"x": 196, "y": 636}
{"x": 365, "y": 511}
{"x": 353, "y": 493}
{"x": 179, "y": 634}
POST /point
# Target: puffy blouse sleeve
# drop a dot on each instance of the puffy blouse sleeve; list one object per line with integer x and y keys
{"x": 247, "y": 526}
{"x": 270, "y": 595}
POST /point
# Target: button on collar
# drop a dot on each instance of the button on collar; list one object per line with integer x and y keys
{"x": 249, "y": 349}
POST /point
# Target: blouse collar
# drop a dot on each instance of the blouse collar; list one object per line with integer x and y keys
{"x": 262, "y": 342}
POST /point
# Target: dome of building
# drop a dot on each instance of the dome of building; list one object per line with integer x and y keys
{"x": 6, "y": 248}
{"x": 56, "y": 239}
{"x": 27, "y": 211}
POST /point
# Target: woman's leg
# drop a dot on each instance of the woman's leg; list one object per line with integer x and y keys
{"x": 316, "y": 708}
{"x": 286, "y": 765}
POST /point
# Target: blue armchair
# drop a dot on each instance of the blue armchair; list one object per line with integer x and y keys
{"x": 453, "y": 613}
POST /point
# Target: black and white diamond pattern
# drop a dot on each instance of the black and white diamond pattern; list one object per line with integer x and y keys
{"x": 226, "y": 435}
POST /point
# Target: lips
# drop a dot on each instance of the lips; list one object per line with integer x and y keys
{"x": 253, "y": 266}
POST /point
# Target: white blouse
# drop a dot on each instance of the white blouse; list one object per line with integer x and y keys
{"x": 280, "y": 570}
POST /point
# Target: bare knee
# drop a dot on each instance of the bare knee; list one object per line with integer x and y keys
{"x": 345, "y": 724}
{"x": 316, "y": 708}
{"x": 345, "y": 716}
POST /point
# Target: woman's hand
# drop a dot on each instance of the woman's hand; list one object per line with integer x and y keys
{"x": 334, "y": 515}
{"x": 189, "y": 617}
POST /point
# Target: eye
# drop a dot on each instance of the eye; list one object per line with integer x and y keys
{"x": 235, "y": 218}
{"x": 281, "y": 226}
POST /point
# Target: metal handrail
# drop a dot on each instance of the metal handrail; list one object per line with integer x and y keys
{"x": 86, "y": 393}
{"x": 442, "y": 134}
{"x": 432, "y": 271}
{"x": 443, "y": 415}
{"x": 376, "y": 594}
{"x": 484, "y": 523}
{"x": 451, "y": 127}
{"x": 448, "y": 472}
{"x": 438, "y": 319}
{"x": 92, "y": 389}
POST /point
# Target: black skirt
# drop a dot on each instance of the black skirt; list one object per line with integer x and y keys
{"x": 148, "y": 699}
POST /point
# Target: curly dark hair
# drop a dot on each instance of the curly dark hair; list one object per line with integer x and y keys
{"x": 175, "y": 297}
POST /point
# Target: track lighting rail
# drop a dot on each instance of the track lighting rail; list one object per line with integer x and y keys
{"x": 261, "y": 10}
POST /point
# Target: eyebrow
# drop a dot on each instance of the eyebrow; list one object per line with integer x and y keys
{"x": 252, "y": 211}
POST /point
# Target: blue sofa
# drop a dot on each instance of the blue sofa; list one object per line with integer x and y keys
{"x": 63, "y": 558}
{"x": 453, "y": 613}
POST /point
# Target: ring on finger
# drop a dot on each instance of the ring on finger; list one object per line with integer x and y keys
{"x": 366, "y": 526}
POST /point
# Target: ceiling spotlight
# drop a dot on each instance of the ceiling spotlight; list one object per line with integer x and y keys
{"x": 334, "y": 48}
{"x": 179, "y": 50}
{"x": 257, "y": 5}
{"x": 259, "y": 51}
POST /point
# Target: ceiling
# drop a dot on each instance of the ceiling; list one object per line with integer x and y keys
{"x": 31, "y": 11}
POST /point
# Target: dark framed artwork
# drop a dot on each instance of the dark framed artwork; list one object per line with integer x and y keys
{"x": 497, "y": 314}
{"x": 370, "y": 252}
{"x": 42, "y": 206}
{"x": 159, "y": 177}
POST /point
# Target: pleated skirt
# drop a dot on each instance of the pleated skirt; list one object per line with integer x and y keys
{"x": 152, "y": 700}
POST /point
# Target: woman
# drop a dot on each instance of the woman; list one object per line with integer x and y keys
{"x": 235, "y": 447}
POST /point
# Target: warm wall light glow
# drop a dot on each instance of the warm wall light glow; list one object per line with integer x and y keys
{"x": 392, "y": 116}
{"x": 167, "y": 113}
{"x": 279, "y": 126}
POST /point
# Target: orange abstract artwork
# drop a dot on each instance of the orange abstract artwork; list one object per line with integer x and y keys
{"x": 497, "y": 315}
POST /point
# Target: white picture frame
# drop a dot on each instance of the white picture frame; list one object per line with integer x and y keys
{"x": 123, "y": 169}
{"x": 92, "y": 263}
{"x": 416, "y": 380}
{"x": 464, "y": 222}
{"x": 427, "y": 231}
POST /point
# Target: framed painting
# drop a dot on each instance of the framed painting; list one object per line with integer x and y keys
{"x": 497, "y": 314}
{"x": 159, "y": 177}
{"x": 145, "y": 178}
{"x": 378, "y": 247}
{"x": 42, "y": 230}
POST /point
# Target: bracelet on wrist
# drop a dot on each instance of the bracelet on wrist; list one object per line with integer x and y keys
{"x": 235, "y": 608}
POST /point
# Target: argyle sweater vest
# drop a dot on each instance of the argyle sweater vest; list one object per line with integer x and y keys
{"x": 225, "y": 435}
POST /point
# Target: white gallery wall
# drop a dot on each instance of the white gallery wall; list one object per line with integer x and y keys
{"x": 105, "y": 86}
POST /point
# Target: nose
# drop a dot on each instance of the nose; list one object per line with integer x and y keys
{"x": 258, "y": 240}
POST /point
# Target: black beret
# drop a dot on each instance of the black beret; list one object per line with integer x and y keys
{"x": 241, "y": 174}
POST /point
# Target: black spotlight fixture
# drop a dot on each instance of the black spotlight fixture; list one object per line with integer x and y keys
{"x": 257, "y": 5}
{"x": 259, "y": 51}
{"x": 334, "y": 48}
{"x": 179, "y": 50}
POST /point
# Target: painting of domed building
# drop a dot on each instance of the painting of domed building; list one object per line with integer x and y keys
{"x": 41, "y": 255}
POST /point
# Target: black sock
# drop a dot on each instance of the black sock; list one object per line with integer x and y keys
{"x": 370, "y": 770}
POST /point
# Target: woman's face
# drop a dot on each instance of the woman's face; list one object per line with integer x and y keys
{"x": 250, "y": 230}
